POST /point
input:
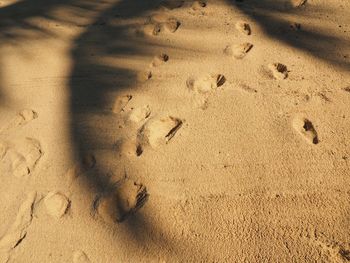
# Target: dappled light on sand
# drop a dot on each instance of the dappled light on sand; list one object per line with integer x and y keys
{"x": 174, "y": 131}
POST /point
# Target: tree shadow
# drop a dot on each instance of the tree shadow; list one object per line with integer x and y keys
{"x": 276, "y": 18}
{"x": 95, "y": 82}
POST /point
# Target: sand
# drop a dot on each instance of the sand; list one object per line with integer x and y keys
{"x": 174, "y": 131}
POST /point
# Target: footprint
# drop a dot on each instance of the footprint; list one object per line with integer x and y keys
{"x": 161, "y": 23}
{"x": 140, "y": 114}
{"x": 56, "y": 204}
{"x": 238, "y": 51}
{"x": 23, "y": 156}
{"x": 198, "y": 5}
{"x": 243, "y": 27}
{"x": 156, "y": 132}
{"x": 80, "y": 257}
{"x": 120, "y": 103}
{"x": 305, "y": 128}
{"x": 298, "y": 3}
{"x": 171, "y": 25}
{"x": 152, "y": 29}
{"x": 278, "y": 70}
{"x": 126, "y": 146}
{"x": 143, "y": 76}
{"x": 16, "y": 233}
{"x": 159, "y": 60}
{"x": 206, "y": 84}
{"x": 22, "y": 118}
{"x": 127, "y": 197}
{"x": 172, "y": 4}
{"x": 85, "y": 164}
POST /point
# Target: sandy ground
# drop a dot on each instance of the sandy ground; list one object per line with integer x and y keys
{"x": 181, "y": 131}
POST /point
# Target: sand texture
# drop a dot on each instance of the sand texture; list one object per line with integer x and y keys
{"x": 174, "y": 131}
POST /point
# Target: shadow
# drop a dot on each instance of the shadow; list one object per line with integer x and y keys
{"x": 277, "y": 18}
{"x": 94, "y": 82}
{"x": 98, "y": 77}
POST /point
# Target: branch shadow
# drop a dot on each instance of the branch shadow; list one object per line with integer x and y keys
{"x": 274, "y": 19}
{"x": 94, "y": 85}
{"x": 93, "y": 82}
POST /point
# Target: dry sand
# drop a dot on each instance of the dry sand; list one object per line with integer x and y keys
{"x": 175, "y": 131}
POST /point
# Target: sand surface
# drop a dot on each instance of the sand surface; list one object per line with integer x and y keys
{"x": 174, "y": 131}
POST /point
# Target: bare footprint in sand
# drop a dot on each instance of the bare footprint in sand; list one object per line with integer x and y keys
{"x": 120, "y": 103}
{"x": 56, "y": 204}
{"x": 159, "y": 60}
{"x": 17, "y": 232}
{"x": 306, "y": 129}
{"x": 156, "y": 132}
{"x": 80, "y": 257}
{"x": 205, "y": 84}
{"x": 238, "y": 51}
{"x": 127, "y": 197}
{"x": 243, "y": 27}
{"x": 21, "y": 157}
{"x": 22, "y": 118}
{"x": 278, "y": 70}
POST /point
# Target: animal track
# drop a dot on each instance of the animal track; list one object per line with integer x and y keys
{"x": 159, "y": 60}
{"x": 278, "y": 70}
{"x": 157, "y": 131}
{"x": 22, "y": 118}
{"x": 305, "y": 128}
{"x": 238, "y": 51}
{"x": 20, "y": 158}
{"x": 120, "y": 103}
{"x": 56, "y": 204}
{"x": 127, "y": 197}
{"x": 205, "y": 84}
{"x": 18, "y": 230}
{"x": 243, "y": 27}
